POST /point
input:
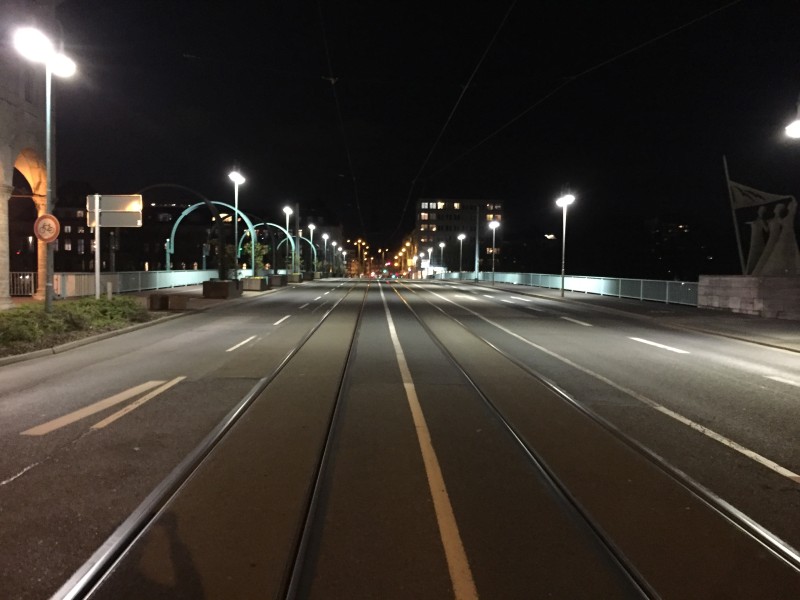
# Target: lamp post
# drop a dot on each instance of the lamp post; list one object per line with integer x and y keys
{"x": 311, "y": 228}
{"x": 493, "y": 225}
{"x": 237, "y": 180}
{"x": 441, "y": 255}
{"x": 461, "y": 238}
{"x": 37, "y": 47}
{"x": 325, "y": 251}
{"x": 288, "y": 211}
{"x": 344, "y": 261}
{"x": 793, "y": 128}
{"x": 564, "y": 202}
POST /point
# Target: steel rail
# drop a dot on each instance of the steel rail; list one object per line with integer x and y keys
{"x": 84, "y": 581}
{"x": 768, "y": 540}
{"x": 635, "y": 578}
{"x": 296, "y": 572}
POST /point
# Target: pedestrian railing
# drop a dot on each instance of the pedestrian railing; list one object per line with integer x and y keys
{"x": 22, "y": 283}
{"x": 68, "y": 285}
{"x": 670, "y": 292}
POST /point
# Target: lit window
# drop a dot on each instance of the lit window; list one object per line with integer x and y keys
{"x": 424, "y": 205}
{"x": 79, "y": 214}
{"x": 423, "y": 216}
{"x": 457, "y": 205}
{"x": 440, "y": 205}
{"x": 67, "y": 228}
{"x": 67, "y": 245}
{"x": 81, "y": 230}
{"x": 490, "y": 217}
{"x": 433, "y": 227}
{"x": 423, "y": 227}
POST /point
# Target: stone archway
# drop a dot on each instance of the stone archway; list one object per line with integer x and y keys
{"x": 31, "y": 165}
{"x": 34, "y": 169}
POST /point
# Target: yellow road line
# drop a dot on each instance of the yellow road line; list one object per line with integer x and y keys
{"x": 134, "y": 405}
{"x": 455, "y": 555}
{"x": 91, "y": 409}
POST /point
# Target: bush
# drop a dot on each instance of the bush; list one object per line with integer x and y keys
{"x": 28, "y": 327}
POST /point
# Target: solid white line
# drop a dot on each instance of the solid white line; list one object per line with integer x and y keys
{"x": 455, "y": 555}
{"x": 762, "y": 460}
{"x": 240, "y": 344}
{"x": 783, "y": 380}
{"x": 134, "y": 405}
{"x": 657, "y": 345}
{"x": 304, "y": 305}
{"x": 278, "y": 322}
{"x": 576, "y": 321}
{"x": 91, "y": 409}
{"x": 523, "y": 299}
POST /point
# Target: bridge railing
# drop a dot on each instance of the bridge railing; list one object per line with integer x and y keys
{"x": 656, "y": 290}
{"x": 69, "y": 285}
{"x": 22, "y": 283}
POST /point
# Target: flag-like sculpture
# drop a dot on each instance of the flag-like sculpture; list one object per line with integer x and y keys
{"x": 773, "y": 242}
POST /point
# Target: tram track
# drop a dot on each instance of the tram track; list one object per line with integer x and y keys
{"x": 761, "y": 545}
{"x": 94, "y": 579}
{"x": 253, "y": 511}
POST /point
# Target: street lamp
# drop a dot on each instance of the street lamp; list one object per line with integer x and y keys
{"x": 564, "y": 202}
{"x": 441, "y": 255}
{"x": 288, "y": 211}
{"x": 37, "y": 47}
{"x": 325, "y": 251}
{"x": 311, "y": 228}
{"x": 344, "y": 260}
{"x": 461, "y": 238}
{"x": 793, "y": 128}
{"x": 237, "y": 180}
{"x": 493, "y": 225}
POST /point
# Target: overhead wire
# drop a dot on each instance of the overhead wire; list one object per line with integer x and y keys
{"x": 452, "y": 112}
{"x": 332, "y": 79}
{"x": 573, "y": 78}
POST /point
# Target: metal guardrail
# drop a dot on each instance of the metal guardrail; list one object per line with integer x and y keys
{"x": 669, "y": 292}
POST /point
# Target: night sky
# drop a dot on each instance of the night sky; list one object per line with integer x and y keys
{"x": 581, "y": 96}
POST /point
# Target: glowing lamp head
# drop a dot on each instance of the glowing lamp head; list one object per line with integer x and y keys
{"x": 236, "y": 177}
{"x": 33, "y": 44}
{"x": 494, "y": 224}
{"x": 793, "y": 129}
{"x": 288, "y": 210}
{"x": 441, "y": 244}
{"x": 565, "y": 200}
{"x": 462, "y": 237}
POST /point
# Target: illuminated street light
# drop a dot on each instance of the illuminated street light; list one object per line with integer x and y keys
{"x": 564, "y": 202}
{"x": 325, "y": 251}
{"x": 237, "y": 180}
{"x": 461, "y": 238}
{"x": 441, "y": 254}
{"x": 288, "y": 211}
{"x": 311, "y": 228}
{"x": 793, "y": 128}
{"x": 37, "y": 47}
{"x": 493, "y": 225}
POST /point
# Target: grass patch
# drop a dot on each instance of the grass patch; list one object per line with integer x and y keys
{"x": 27, "y": 328}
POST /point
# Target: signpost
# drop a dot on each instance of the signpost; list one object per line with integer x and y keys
{"x": 110, "y": 211}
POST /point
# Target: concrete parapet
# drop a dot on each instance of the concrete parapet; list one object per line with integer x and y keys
{"x": 222, "y": 288}
{"x": 774, "y": 297}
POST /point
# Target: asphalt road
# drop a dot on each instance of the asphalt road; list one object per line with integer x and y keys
{"x": 721, "y": 412}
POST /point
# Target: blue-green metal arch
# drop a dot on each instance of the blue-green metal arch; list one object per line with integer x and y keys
{"x": 245, "y": 218}
{"x": 313, "y": 249}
